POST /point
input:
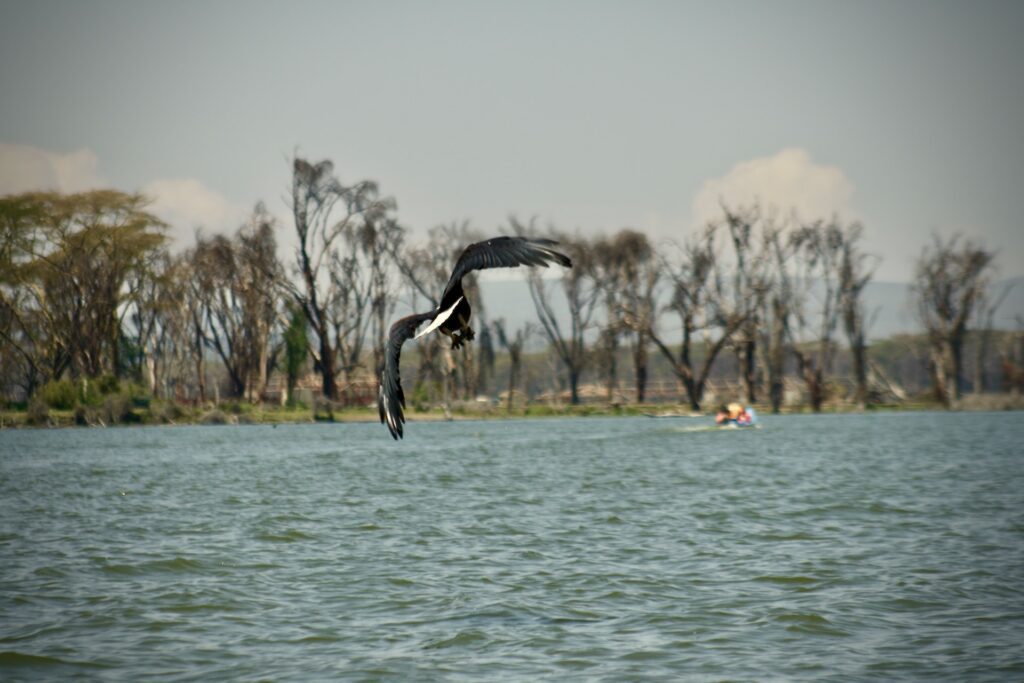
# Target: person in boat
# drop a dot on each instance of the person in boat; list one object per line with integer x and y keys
{"x": 735, "y": 414}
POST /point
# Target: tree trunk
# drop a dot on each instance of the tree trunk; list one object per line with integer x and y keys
{"x": 694, "y": 391}
{"x": 640, "y": 367}
{"x": 574, "y": 382}
{"x": 513, "y": 381}
{"x": 860, "y": 375}
{"x": 745, "y": 356}
{"x": 327, "y": 373}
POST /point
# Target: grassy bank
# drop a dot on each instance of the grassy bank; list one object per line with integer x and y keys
{"x": 142, "y": 411}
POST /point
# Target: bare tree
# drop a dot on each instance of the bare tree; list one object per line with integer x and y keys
{"x": 581, "y": 290}
{"x": 984, "y": 325}
{"x": 608, "y": 267}
{"x": 950, "y": 280}
{"x": 819, "y": 248}
{"x": 748, "y": 284}
{"x": 699, "y": 296}
{"x": 234, "y": 286}
{"x": 855, "y": 271}
{"x": 514, "y": 346}
{"x": 776, "y": 310}
{"x": 324, "y": 210}
{"x": 366, "y": 281}
{"x": 425, "y": 269}
{"x": 627, "y": 274}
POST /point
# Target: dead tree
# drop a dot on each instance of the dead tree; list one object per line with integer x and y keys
{"x": 324, "y": 210}
{"x": 855, "y": 271}
{"x": 776, "y": 311}
{"x": 580, "y": 288}
{"x": 514, "y": 346}
{"x": 627, "y": 275}
{"x": 748, "y": 286}
{"x": 818, "y": 246}
{"x": 950, "y": 279}
{"x": 700, "y": 298}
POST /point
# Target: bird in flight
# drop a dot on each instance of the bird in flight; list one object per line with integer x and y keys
{"x": 451, "y": 317}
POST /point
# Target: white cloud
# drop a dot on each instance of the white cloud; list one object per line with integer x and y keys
{"x": 24, "y": 169}
{"x": 788, "y": 180}
{"x": 186, "y": 204}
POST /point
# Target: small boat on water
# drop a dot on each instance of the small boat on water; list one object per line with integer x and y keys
{"x": 736, "y": 416}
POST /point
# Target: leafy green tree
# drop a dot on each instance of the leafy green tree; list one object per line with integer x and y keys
{"x": 296, "y": 344}
{"x": 65, "y": 269}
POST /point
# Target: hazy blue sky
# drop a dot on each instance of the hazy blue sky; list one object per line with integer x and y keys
{"x": 596, "y": 115}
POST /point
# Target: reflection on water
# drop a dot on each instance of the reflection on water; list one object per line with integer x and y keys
{"x": 820, "y": 548}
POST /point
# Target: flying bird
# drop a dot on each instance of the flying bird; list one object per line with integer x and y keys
{"x": 451, "y": 317}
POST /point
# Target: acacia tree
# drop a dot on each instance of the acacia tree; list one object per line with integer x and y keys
{"x": 950, "y": 279}
{"x": 67, "y": 262}
{"x": 155, "y": 323}
{"x": 324, "y": 211}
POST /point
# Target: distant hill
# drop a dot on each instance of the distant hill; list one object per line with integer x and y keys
{"x": 889, "y": 305}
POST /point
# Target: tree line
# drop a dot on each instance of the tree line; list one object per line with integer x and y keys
{"x": 90, "y": 291}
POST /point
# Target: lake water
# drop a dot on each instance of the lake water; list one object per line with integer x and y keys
{"x": 855, "y": 547}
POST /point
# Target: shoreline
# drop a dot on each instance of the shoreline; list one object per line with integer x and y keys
{"x": 162, "y": 414}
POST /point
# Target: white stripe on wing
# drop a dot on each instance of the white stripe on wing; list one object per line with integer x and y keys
{"x": 439, "y": 320}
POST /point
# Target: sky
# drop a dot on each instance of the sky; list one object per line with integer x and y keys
{"x": 595, "y": 116}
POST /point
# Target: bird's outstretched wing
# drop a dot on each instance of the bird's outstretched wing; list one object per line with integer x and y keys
{"x": 390, "y": 397}
{"x": 503, "y": 252}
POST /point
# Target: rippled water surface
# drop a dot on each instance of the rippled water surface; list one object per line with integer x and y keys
{"x": 874, "y": 547}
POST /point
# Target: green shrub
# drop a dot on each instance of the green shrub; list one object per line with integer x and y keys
{"x": 58, "y": 394}
{"x": 108, "y": 384}
{"x": 165, "y": 411}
